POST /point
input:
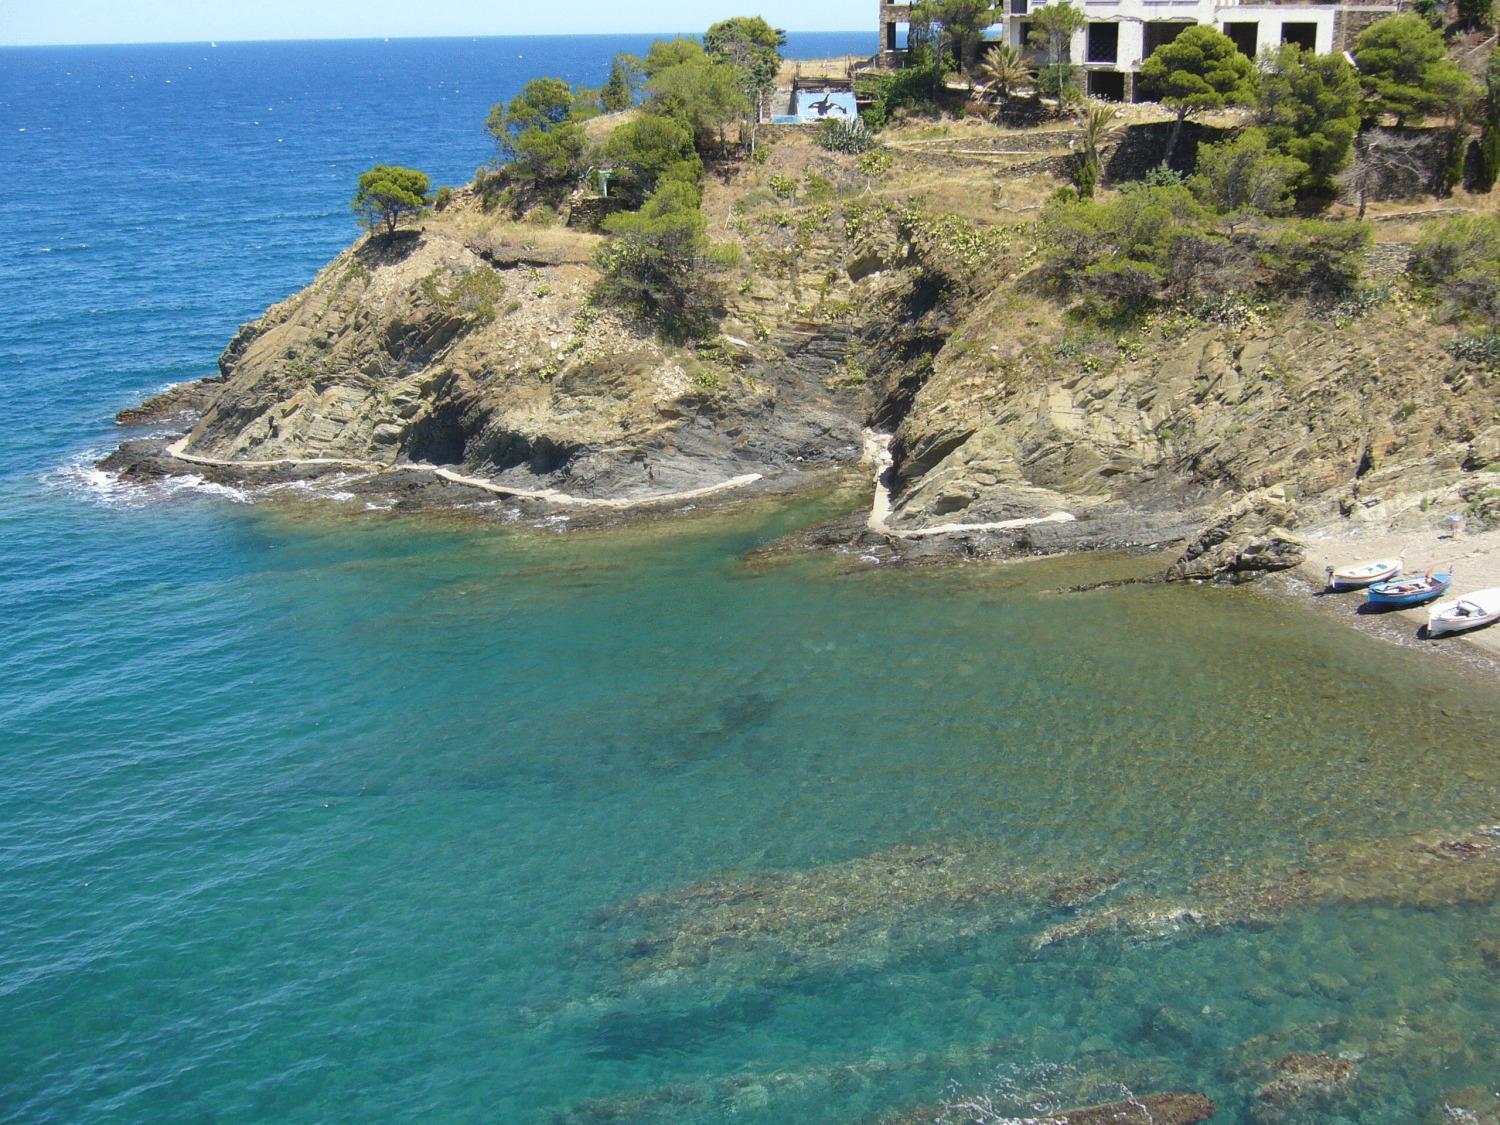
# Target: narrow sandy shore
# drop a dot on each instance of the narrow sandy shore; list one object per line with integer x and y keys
{"x": 178, "y": 450}
{"x": 1473, "y": 559}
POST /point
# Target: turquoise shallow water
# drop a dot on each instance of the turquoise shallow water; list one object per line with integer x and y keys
{"x": 311, "y": 817}
{"x": 312, "y": 814}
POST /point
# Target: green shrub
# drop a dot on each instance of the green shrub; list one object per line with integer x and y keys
{"x": 471, "y": 294}
{"x": 913, "y": 88}
{"x": 783, "y": 187}
{"x": 1243, "y": 175}
{"x": 846, "y": 135}
{"x": 1482, "y": 350}
{"x": 817, "y": 189}
{"x": 1156, "y": 242}
{"x": 875, "y": 163}
{"x": 1313, "y": 256}
{"x": 659, "y": 260}
{"x": 1459, "y": 260}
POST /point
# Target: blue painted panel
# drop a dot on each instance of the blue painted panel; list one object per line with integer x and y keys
{"x": 815, "y": 106}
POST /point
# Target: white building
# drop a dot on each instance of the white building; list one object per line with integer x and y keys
{"x": 1121, "y": 33}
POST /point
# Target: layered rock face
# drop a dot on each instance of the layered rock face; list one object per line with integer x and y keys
{"x": 1254, "y": 424}
{"x": 473, "y": 344}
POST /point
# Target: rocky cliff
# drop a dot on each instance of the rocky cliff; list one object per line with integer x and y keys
{"x": 1238, "y": 423}
{"x": 472, "y": 346}
{"x": 897, "y": 299}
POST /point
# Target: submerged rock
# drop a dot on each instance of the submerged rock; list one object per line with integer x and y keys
{"x": 1301, "y": 1082}
{"x": 1476, "y": 1105}
{"x": 1148, "y": 1109}
{"x": 1489, "y": 952}
{"x": 842, "y": 910}
{"x": 1402, "y": 872}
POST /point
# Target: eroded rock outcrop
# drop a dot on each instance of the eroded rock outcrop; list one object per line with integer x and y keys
{"x": 473, "y": 343}
{"x": 1287, "y": 408}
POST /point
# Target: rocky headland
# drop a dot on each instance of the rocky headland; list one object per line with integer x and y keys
{"x": 886, "y": 327}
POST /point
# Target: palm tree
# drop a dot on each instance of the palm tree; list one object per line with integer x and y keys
{"x": 1003, "y": 71}
{"x": 1096, "y": 120}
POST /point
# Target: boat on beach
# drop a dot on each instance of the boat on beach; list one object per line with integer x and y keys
{"x": 1464, "y": 613}
{"x": 1357, "y": 576}
{"x": 1401, "y": 592}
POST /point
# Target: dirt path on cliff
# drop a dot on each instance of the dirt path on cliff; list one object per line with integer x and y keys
{"x": 549, "y": 495}
{"x": 877, "y": 451}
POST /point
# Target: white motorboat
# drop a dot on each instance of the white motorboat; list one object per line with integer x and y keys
{"x": 1458, "y": 615}
{"x": 1359, "y": 575}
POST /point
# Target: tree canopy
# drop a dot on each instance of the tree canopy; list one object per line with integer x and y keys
{"x": 1243, "y": 176}
{"x": 1405, "y": 70}
{"x": 1477, "y": 13}
{"x": 619, "y": 90}
{"x": 389, "y": 193}
{"x": 1200, "y": 70}
{"x": 1489, "y": 138}
{"x": 1309, "y": 107}
{"x": 540, "y": 130}
{"x": 645, "y": 148}
{"x": 666, "y": 53}
{"x": 685, "y": 83}
{"x": 1004, "y": 71}
{"x": 1052, "y": 31}
{"x": 753, "y": 48}
{"x": 956, "y": 25}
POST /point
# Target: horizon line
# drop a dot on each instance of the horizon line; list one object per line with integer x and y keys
{"x": 409, "y": 38}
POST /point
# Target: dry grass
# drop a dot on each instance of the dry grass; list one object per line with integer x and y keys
{"x": 467, "y": 222}
{"x": 974, "y": 191}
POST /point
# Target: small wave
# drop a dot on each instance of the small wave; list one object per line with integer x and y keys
{"x": 82, "y": 477}
{"x": 321, "y": 488}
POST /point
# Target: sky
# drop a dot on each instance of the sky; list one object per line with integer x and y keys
{"x": 165, "y": 21}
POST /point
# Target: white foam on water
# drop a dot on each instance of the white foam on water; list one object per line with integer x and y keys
{"x": 82, "y": 477}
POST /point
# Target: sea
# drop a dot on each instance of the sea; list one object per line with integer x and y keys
{"x": 312, "y": 812}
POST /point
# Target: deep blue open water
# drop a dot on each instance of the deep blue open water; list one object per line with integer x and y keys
{"x": 327, "y": 815}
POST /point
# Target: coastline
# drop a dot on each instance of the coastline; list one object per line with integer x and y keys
{"x": 417, "y": 487}
{"x": 1475, "y": 560}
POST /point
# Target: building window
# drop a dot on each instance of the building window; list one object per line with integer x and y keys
{"x": 1244, "y": 36}
{"x": 1161, "y": 32}
{"x": 1108, "y": 85}
{"x": 1104, "y": 42}
{"x": 1304, "y": 35}
{"x": 1019, "y": 7}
